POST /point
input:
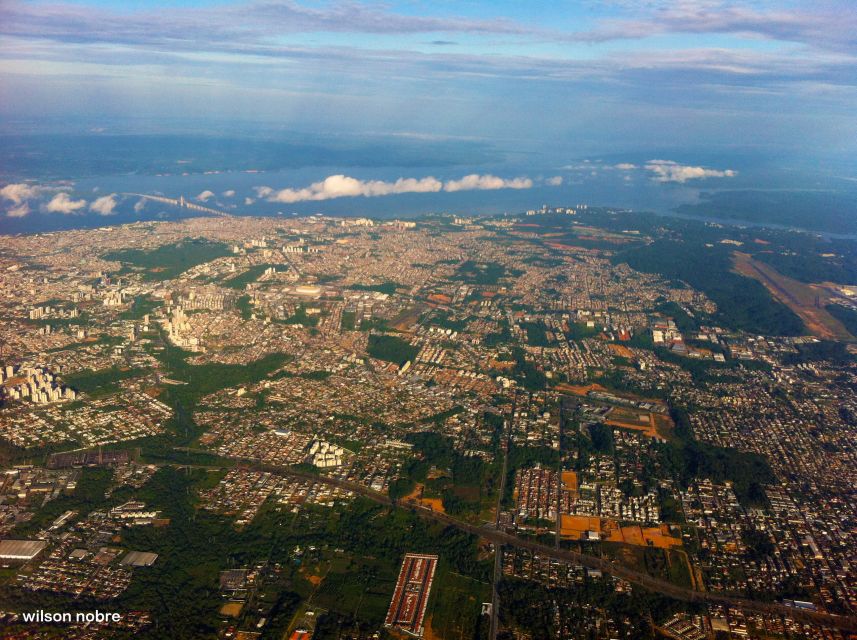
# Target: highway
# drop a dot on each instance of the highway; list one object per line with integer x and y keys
{"x": 500, "y": 538}
{"x": 498, "y": 551}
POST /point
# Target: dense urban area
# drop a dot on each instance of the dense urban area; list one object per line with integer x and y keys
{"x": 576, "y": 422}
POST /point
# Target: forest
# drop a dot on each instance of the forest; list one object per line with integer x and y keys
{"x": 742, "y": 303}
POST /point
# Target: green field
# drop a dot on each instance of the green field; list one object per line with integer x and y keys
{"x": 455, "y": 604}
{"x": 385, "y": 287}
{"x": 391, "y": 349}
{"x": 484, "y": 273}
{"x": 742, "y": 303}
{"x": 251, "y": 275}
{"x": 170, "y": 260}
{"x": 101, "y": 382}
{"x": 846, "y": 316}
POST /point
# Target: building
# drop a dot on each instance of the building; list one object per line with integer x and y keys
{"x": 410, "y": 597}
{"x": 20, "y": 550}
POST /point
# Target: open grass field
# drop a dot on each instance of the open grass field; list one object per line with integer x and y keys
{"x": 667, "y": 564}
{"x": 456, "y": 601}
{"x": 362, "y": 589}
{"x": 799, "y": 297}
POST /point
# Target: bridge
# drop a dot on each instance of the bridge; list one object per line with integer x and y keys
{"x": 181, "y": 203}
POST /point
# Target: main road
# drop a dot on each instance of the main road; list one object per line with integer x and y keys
{"x": 505, "y": 439}
{"x": 499, "y": 538}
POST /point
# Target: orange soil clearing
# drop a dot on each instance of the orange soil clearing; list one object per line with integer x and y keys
{"x": 564, "y": 387}
{"x": 435, "y": 504}
{"x": 569, "y": 481}
{"x": 576, "y": 526}
{"x": 232, "y": 609}
{"x": 622, "y": 351}
{"x": 314, "y": 580}
{"x": 649, "y": 536}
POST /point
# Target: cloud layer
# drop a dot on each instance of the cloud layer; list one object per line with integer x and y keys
{"x": 342, "y": 186}
{"x": 670, "y": 171}
{"x": 617, "y": 74}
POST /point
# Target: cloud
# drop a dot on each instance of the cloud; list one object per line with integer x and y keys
{"x": 249, "y": 201}
{"x": 555, "y": 181}
{"x": 139, "y": 205}
{"x": 476, "y": 182}
{"x": 229, "y": 193}
{"x": 341, "y": 186}
{"x": 670, "y": 171}
{"x": 823, "y": 24}
{"x": 19, "y": 193}
{"x": 625, "y": 166}
{"x": 62, "y": 203}
{"x": 19, "y": 211}
{"x": 244, "y": 21}
{"x": 104, "y": 205}
{"x": 205, "y": 195}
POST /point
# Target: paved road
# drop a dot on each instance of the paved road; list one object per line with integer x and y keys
{"x": 500, "y": 538}
{"x": 498, "y": 550}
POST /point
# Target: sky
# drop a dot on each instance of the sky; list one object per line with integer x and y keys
{"x": 603, "y": 75}
{"x": 699, "y": 84}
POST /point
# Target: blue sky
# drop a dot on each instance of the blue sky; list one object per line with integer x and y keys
{"x": 589, "y": 77}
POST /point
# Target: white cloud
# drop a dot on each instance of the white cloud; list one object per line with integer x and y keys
{"x": 19, "y": 210}
{"x": 104, "y": 205}
{"x": 249, "y": 201}
{"x": 19, "y": 193}
{"x": 555, "y": 181}
{"x": 62, "y": 203}
{"x": 205, "y": 195}
{"x": 670, "y": 171}
{"x": 340, "y": 186}
{"x": 229, "y": 193}
{"x": 139, "y": 205}
{"x": 476, "y": 182}
{"x": 625, "y": 166}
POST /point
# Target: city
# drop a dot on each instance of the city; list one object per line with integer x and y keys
{"x": 596, "y": 428}
{"x": 420, "y": 320}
